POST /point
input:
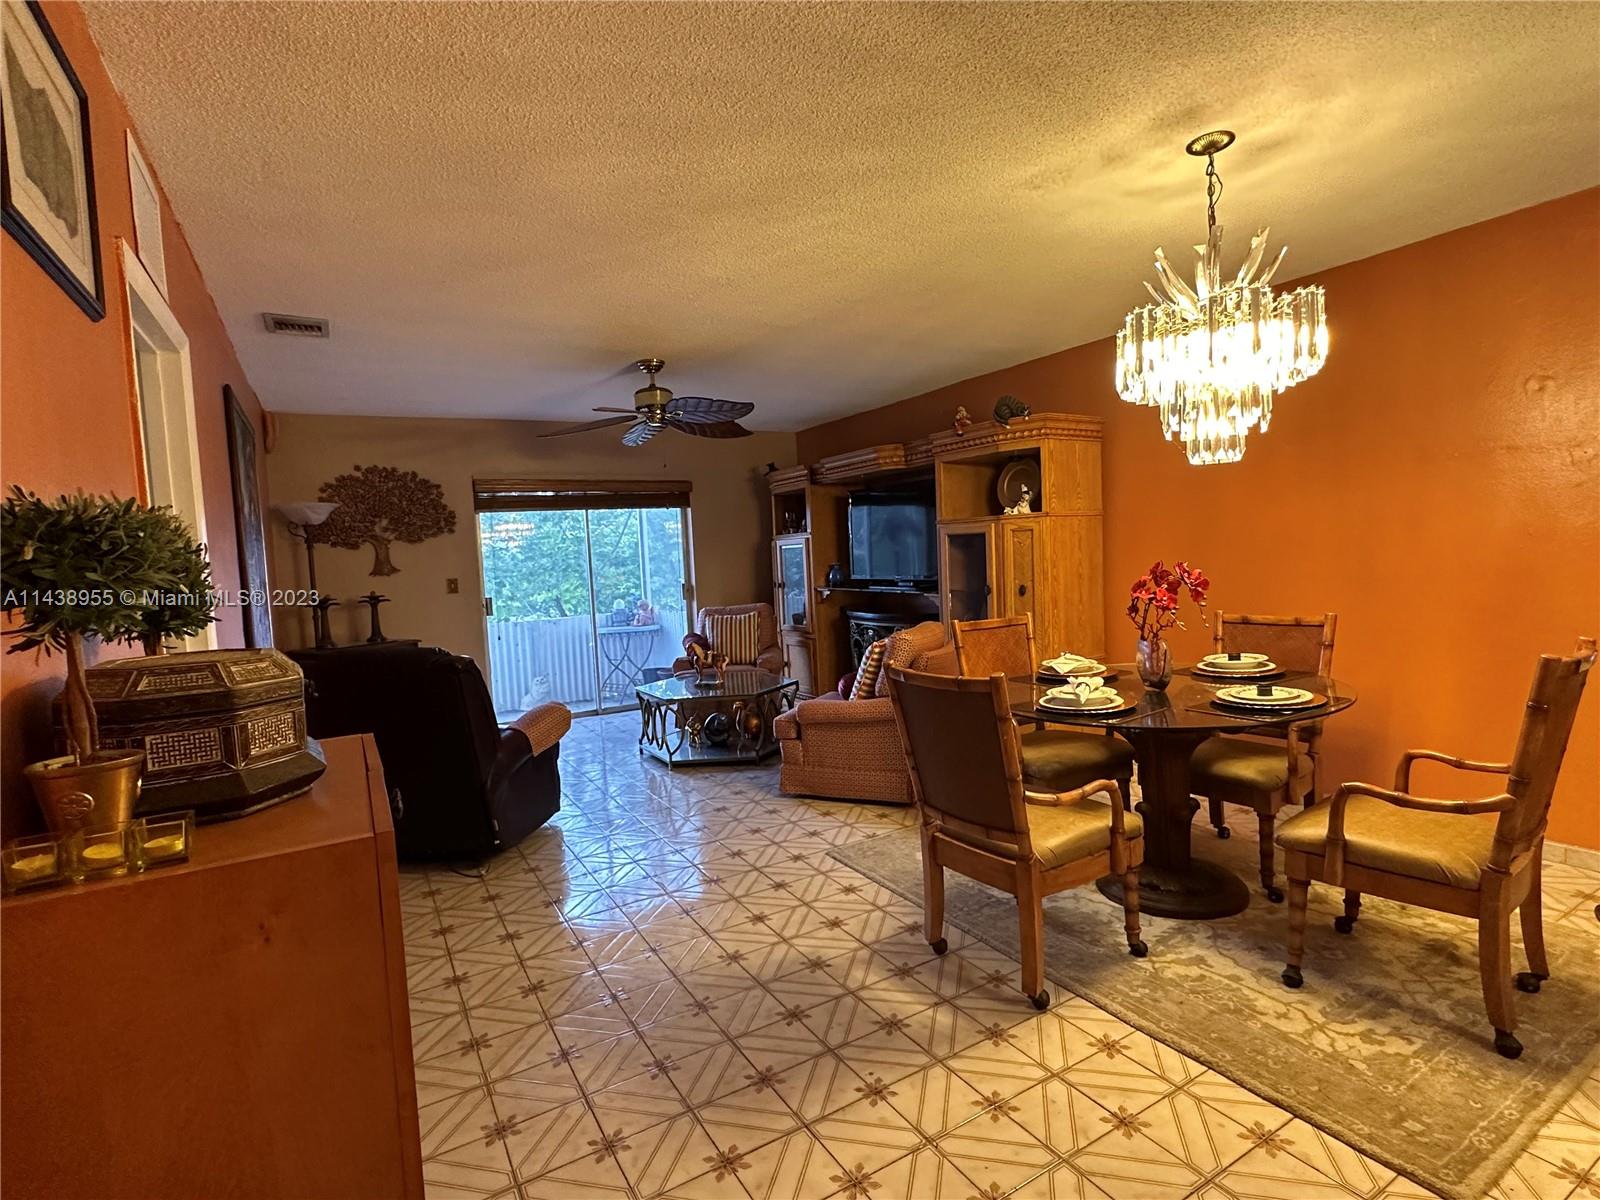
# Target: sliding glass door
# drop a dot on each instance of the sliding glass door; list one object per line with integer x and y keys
{"x": 583, "y": 603}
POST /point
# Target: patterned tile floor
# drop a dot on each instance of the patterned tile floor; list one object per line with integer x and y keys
{"x": 672, "y": 991}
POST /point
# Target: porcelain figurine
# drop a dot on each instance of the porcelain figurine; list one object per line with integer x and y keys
{"x": 1024, "y": 503}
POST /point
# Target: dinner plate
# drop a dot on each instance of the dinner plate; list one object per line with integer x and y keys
{"x": 1224, "y": 662}
{"x": 1251, "y": 672}
{"x": 1098, "y": 707}
{"x": 1280, "y": 697}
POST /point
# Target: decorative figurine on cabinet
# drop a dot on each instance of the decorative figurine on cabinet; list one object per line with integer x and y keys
{"x": 963, "y": 419}
{"x": 1024, "y": 503}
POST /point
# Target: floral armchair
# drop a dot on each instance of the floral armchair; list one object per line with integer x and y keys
{"x": 850, "y": 749}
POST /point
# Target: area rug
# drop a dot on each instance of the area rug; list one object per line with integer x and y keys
{"x": 1386, "y": 1046}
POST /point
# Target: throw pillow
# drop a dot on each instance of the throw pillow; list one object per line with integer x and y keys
{"x": 738, "y": 635}
{"x": 908, "y": 647}
{"x": 866, "y": 684}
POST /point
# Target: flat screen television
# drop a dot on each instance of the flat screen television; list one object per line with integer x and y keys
{"x": 892, "y": 538}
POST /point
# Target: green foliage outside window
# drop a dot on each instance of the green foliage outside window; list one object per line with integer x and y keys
{"x": 536, "y": 564}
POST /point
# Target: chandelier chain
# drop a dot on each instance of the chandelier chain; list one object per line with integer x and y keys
{"x": 1213, "y": 191}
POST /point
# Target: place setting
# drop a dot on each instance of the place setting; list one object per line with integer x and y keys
{"x": 1237, "y": 666}
{"x": 1266, "y": 697}
{"x": 1069, "y": 666}
{"x": 1087, "y": 694}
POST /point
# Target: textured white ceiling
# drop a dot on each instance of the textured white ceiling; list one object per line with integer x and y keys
{"x": 817, "y": 207}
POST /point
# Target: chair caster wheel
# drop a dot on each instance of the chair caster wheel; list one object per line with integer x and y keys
{"x": 1275, "y": 894}
{"x": 1506, "y": 1043}
{"x": 1291, "y": 977}
{"x": 939, "y": 947}
{"x": 1224, "y": 833}
{"x": 1345, "y": 924}
{"x": 1138, "y": 949}
{"x": 1041, "y": 1001}
{"x": 1529, "y": 981}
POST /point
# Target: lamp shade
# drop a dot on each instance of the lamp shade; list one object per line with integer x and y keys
{"x": 305, "y": 513}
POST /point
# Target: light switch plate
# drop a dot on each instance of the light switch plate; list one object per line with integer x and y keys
{"x": 453, "y": 586}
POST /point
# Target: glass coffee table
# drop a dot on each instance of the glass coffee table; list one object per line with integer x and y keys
{"x": 684, "y": 721}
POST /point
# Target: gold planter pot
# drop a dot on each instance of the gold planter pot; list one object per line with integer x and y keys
{"x": 98, "y": 794}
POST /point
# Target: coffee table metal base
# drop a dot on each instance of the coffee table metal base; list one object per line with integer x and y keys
{"x": 664, "y": 727}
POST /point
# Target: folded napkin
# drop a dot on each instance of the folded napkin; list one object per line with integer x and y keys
{"x": 1082, "y": 691}
{"x": 1068, "y": 663}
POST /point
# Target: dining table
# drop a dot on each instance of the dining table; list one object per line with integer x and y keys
{"x": 1164, "y": 727}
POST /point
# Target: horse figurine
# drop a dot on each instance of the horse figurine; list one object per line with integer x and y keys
{"x": 702, "y": 658}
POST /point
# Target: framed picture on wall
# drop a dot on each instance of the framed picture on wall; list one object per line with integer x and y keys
{"x": 46, "y": 172}
{"x": 247, "y": 518}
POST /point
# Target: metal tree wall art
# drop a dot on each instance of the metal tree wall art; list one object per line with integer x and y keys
{"x": 380, "y": 505}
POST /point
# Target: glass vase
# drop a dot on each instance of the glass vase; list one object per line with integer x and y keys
{"x": 1155, "y": 664}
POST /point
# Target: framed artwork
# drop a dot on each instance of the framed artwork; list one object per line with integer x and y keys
{"x": 247, "y": 519}
{"x": 46, "y": 171}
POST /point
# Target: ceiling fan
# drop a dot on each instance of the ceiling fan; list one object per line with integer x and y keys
{"x": 655, "y": 408}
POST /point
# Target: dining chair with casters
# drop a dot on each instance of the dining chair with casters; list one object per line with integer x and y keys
{"x": 1055, "y": 759}
{"x": 1266, "y": 769}
{"x": 1442, "y": 854}
{"x": 978, "y": 819}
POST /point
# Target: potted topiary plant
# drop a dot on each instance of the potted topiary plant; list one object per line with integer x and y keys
{"x": 95, "y": 566}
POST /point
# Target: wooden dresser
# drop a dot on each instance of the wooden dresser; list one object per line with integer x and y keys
{"x": 233, "y": 1027}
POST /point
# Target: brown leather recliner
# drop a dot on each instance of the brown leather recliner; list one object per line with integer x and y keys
{"x": 460, "y": 786}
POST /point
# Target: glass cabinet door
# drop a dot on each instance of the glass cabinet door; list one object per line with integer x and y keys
{"x": 794, "y": 587}
{"x": 967, "y": 568}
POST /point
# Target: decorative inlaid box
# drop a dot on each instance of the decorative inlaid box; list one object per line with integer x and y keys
{"x": 223, "y": 731}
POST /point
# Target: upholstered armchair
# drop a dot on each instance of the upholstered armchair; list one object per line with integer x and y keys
{"x": 964, "y": 756}
{"x": 849, "y": 749}
{"x": 769, "y": 656}
{"x": 1447, "y": 855}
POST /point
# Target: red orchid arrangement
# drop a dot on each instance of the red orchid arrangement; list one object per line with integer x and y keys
{"x": 1153, "y": 605}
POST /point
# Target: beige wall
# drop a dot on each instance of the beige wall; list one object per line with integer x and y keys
{"x": 728, "y": 519}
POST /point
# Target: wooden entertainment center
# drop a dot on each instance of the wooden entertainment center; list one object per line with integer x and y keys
{"x": 990, "y": 563}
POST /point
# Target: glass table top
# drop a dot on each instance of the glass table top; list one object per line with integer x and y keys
{"x": 736, "y": 682}
{"x": 1187, "y": 704}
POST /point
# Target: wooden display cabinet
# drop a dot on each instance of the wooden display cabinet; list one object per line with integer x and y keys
{"x": 794, "y": 600}
{"x": 1046, "y": 563}
{"x": 966, "y": 570}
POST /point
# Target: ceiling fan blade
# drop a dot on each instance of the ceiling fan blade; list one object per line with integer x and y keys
{"x": 641, "y": 433}
{"x": 588, "y": 425}
{"x": 708, "y": 429}
{"x": 704, "y": 410}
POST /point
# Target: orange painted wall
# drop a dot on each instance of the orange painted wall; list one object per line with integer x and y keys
{"x": 1437, "y": 485}
{"x": 68, "y": 413}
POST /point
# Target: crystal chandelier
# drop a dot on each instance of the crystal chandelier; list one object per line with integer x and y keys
{"x": 1210, "y": 358}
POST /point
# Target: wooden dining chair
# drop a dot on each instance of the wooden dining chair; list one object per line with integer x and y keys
{"x": 1268, "y": 768}
{"x": 1056, "y": 759}
{"x": 1440, "y": 855}
{"x": 961, "y": 747}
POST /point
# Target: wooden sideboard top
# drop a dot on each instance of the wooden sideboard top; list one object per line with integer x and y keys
{"x": 325, "y": 815}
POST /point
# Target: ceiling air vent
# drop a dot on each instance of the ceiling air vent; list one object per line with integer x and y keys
{"x": 316, "y": 327}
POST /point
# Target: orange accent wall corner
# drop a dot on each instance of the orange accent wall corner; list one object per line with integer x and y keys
{"x": 68, "y": 415}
